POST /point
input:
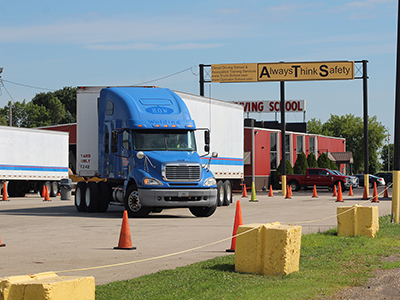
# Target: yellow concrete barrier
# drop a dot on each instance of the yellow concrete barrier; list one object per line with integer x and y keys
{"x": 47, "y": 286}
{"x": 268, "y": 249}
{"x": 358, "y": 220}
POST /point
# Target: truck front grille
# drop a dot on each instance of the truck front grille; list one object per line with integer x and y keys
{"x": 182, "y": 172}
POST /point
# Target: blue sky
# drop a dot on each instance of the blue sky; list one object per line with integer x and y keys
{"x": 51, "y": 44}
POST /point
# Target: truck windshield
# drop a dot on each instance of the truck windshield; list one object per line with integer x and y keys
{"x": 167, "y": 140}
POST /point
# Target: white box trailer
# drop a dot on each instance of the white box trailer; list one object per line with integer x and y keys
{"x": 31, "y": 158}
{"x": 225, "y": 121}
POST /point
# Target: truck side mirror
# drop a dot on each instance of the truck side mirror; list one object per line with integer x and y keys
{"x": 207, "y": 141}
{"x": 206, "y": 137}
{"x": 114, "y": 141}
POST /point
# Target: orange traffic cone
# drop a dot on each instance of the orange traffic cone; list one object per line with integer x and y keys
{"x": 244, "y": 190}
{"x": 350, "y": 190}
{"x": 46, "y": 194}
{"x": 2, "y": 245}
{"x": 44, "y": 191}
{"x": 236, "y": 224}
{"x": 339, "y": 194}
{"x": 375, "y": 194}
{"x": 385, "y": 194}
{"x": 125, "y": 241}
{"x": 271, "y": 193}
{"x": 334, "y": 191}
{"x": 314, "y": 195}
{"x": 288, "y": 195}
{"x": 5, "y": 197}
{"x": 365, "y": 195}
{"x": 290, "y": 190}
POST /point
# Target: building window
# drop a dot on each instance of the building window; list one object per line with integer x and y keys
{"x": 299, "y": 146}
{"x": 311, "y": 141}
{"x": 273, "y": 152}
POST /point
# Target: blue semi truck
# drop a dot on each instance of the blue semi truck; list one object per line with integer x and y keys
{"x": 139, "y": 143}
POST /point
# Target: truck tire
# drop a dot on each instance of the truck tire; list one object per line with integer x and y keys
{"x": 80, "y": 196}
{"x": 220, "y": 193}
{"x": 132, "y": 204}
{"x": 91, "y": 197}
{"x": 104, "y": 196}
{"x": 227, "y": 193}
{"x": 53, "y": 191}
{"x": 203, "y": 212}
{"x": 295, "y": 186}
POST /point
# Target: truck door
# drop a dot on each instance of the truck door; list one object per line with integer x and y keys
{"x": 313, "y": 177}
{"x": 106, "y": 158}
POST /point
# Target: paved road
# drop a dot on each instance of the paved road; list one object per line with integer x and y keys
{"x": 53, "y": 236}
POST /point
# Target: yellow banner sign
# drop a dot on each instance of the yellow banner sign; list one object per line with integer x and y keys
{"x": 335, "y": 70}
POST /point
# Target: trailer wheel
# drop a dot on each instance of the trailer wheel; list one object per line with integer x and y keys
{"x": 227, "y": 193}
{"x": 80, "y": 196}
{"x": 133, "y": 205}
{"x": 220, "y": 193}
{"x": 53, "y": 191}
{"x": 91, "y": 197}
{"x": 203, "y": 212}
{"x": 104, "y": 196}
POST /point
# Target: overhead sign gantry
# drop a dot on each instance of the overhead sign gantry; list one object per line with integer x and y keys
{"x": 294, "y": 71}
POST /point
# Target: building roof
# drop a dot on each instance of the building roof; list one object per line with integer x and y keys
{"x": 341, "y": 157}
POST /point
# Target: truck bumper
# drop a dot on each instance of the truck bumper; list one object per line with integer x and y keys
{"x": 178, "y": 198}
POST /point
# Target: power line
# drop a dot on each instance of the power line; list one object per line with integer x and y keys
{"x": 164, "y": 77}
{"x": 2, "y": 85}
{"x": 29, "y": 86}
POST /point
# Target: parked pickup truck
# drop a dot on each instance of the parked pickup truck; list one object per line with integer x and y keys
{"x": 318, "y": 177}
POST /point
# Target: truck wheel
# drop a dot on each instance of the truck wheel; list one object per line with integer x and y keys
{"x": 91, "y": 197}
{"x": 104, "y": 196}
{"x": 132, "y": 203}
{"x": 227, "y": 193}
{"x": 53, "y": 191}
{"x": 80, "y": 196}
{"x": 203, "y": 212}
{"x": 220, "y": 193}
{"x": 295, "y": 186}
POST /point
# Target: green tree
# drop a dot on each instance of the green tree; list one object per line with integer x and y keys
{"x": 301, "y": 164}
{"x": 333, "y": 165}
{"x": 324, "y": 161}
{"x": 352, "y": 129}
{"x": 278, "y": 173}
{"x": 312, "y": 161}
{"x": 61, "y": 105}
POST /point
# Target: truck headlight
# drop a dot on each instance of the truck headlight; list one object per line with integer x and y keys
{"x": 151, "y": 181}
{"x": 210, "y": 181}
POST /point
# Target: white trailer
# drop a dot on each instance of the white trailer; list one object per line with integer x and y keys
{"x": 32, "y": 158}
{"x": 225, "y": 122}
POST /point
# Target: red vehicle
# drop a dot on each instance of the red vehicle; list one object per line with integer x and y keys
{"x": 318, "y": 177}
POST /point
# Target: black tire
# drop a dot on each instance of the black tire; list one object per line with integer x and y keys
{"x": 80, "y": 196}
{"x": 91, "y": 197}
{"x": 104, "y": 196}
{"x": 388, "y": 183}
{"x": 220, "y": 193}
{"x": 295, "y": 186}
{"x": 227, "y": 193}
{"x": 132, "y": 204}
{"x": 53, "y": 191}
{"x": 203, "y": 212}
{"x": 17, "y": 188}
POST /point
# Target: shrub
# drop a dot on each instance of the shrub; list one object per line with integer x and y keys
{"x": 278, "y": 173}
{"x": 301, "y": 164}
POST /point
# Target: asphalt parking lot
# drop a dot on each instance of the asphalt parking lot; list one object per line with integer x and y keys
{"x": 52, "y": 236}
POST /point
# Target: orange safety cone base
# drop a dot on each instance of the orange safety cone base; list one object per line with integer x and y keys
{"x": 2, "y": 245}
{"x": 244, "y": 190}
{"x": 125, "y": 241}
{"x": 271, "y": 193}
{"x": 339, "y": 196}
{"x": 238, "y": 221}
{"x": 46, "y": 195}
{"x": 315, "y": 192}
{"x": 350, "y": 191}
{"x": 385, "y": 194}
{"x": 375, "y": 194}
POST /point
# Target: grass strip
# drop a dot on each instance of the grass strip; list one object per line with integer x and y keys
{"x": 328, "y": 263}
